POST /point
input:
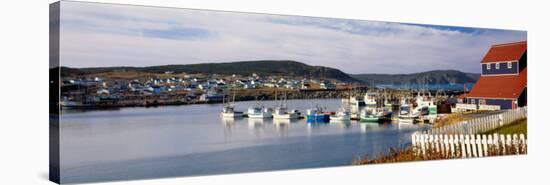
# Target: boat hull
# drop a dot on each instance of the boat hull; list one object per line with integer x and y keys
{"x": 232, "y": 114}
{"x": 286, "y": 116}
{"x": 259, "y": 116}
{"x": 318, "y": 118}
{"x": 340, "y": 118}
{"x": 370, "y": 119}
{"x": 406, "y": 120}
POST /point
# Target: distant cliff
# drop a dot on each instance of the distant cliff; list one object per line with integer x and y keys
{"x": 428, "y": 77}
{"x": 261, "y": 67}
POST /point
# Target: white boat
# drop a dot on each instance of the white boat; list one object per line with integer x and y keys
{"x": 375, "y": 114}
{"x": 343, "y": 114}
{"x": 406, "y": 114}
{"x": 426, "y": 107}
{"x": 259, "y": 112}
{"x": 356, "y": 104}
{"x": 370, "y": 99}
{"x": 281, "y": 111}
{"x": 228, "y": 111}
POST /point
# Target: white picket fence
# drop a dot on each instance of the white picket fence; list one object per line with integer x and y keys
{"x": 466, "y": 146}
{"x": 481, "y": 124}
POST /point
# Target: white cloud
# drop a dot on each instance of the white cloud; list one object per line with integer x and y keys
{"x": 111, "y": 35}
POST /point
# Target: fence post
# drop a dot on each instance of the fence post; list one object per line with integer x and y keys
{"x": 515, "y": 143}
{"x": 446, "y": 145}
{"x": 523, "y": 144}
{"x": 424, "y": 144}
{"x": 479, "y": 146}
{"x": 452, "y": 140}
{"x": 496, "y": 143}
{"x": 463, "y": 146}
{"x": 440, "y": 144}
{"x": 485, "y": 142}
{"x": 503, "y": 143}
{"x": 413, "y": 139}
{"x": 467, "y": 143}
{"x": 431, "y": 142}
{"x": 509, "y": 142}
{"x": 473, "y": 144}
{"x": 500, "y": 119}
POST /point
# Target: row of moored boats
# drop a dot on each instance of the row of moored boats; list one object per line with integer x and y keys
{"x": 367, "y": 108}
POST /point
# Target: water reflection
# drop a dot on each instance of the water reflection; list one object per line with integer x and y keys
{"x": 144, "y": 140}
{"x": 281, "y": 121}
{"x": 229, "y": 127}
{"x": 255, "y": 124}
{"x": 281, "y": 126}
{"x": 229, "y": 121}
{"x": 343, "y": 124}
{"x": 368, "y": 127}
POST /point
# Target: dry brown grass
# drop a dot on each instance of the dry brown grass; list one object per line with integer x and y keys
{"x": 412, "y": 154}
{"x": 450, "y": 120}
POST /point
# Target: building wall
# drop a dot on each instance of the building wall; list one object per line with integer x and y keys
{"x": 504, "y": 104}
{"x": 522, "y": 100}
{"x": 523, "y": 61}
{"x": 503, "y": 68}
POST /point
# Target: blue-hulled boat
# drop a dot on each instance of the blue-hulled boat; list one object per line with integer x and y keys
{"x": 316, "y": 115}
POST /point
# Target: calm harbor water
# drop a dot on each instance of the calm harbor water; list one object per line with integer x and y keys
{"x": 190, "y": 140}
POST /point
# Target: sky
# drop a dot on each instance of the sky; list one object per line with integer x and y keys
{"x": 105, "y": 35}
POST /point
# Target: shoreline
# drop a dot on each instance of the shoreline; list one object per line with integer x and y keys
{"x": 175, "y": 98}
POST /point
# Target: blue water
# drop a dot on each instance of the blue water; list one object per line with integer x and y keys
{"x": 140, "y": 143}
{"x": 450, "y": 87}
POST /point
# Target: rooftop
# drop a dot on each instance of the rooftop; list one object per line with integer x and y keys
{"x": 505, "y": 52}
{"x": 504, "y": 86}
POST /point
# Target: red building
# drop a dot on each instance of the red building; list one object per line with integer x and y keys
{"x": 503, "y": 80}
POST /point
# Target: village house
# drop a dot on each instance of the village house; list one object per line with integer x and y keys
{"x": 503, "y": 81}
{"x": 327, "y": 85}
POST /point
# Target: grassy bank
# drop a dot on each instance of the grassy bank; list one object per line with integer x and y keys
{"x": 518, "y": 127}
{"x": 455, "y": 118}
{"x": 409, "y": 153}
{"x": 394, "y": 155}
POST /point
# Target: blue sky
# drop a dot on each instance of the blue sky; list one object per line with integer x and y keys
{"x": 100, "y": 35}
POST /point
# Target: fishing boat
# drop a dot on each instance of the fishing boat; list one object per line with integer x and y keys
{"x": 375, "y": 115}
{"x": 370, "y": 100}
{"x": 356, "y": 104}
{"x": 228, "y": 110}
{"x": 259, "y": 112}
{"x": 281, "y": 111}
{"x": 406, "y": 114}
{"x": 316, "y": 115}
{"x": 426, "y": 107}
{"x": 344, "y": 114}
{"x": 368, "y": 115}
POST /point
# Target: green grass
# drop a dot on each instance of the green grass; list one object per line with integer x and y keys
{"x": 519, "y": 127}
